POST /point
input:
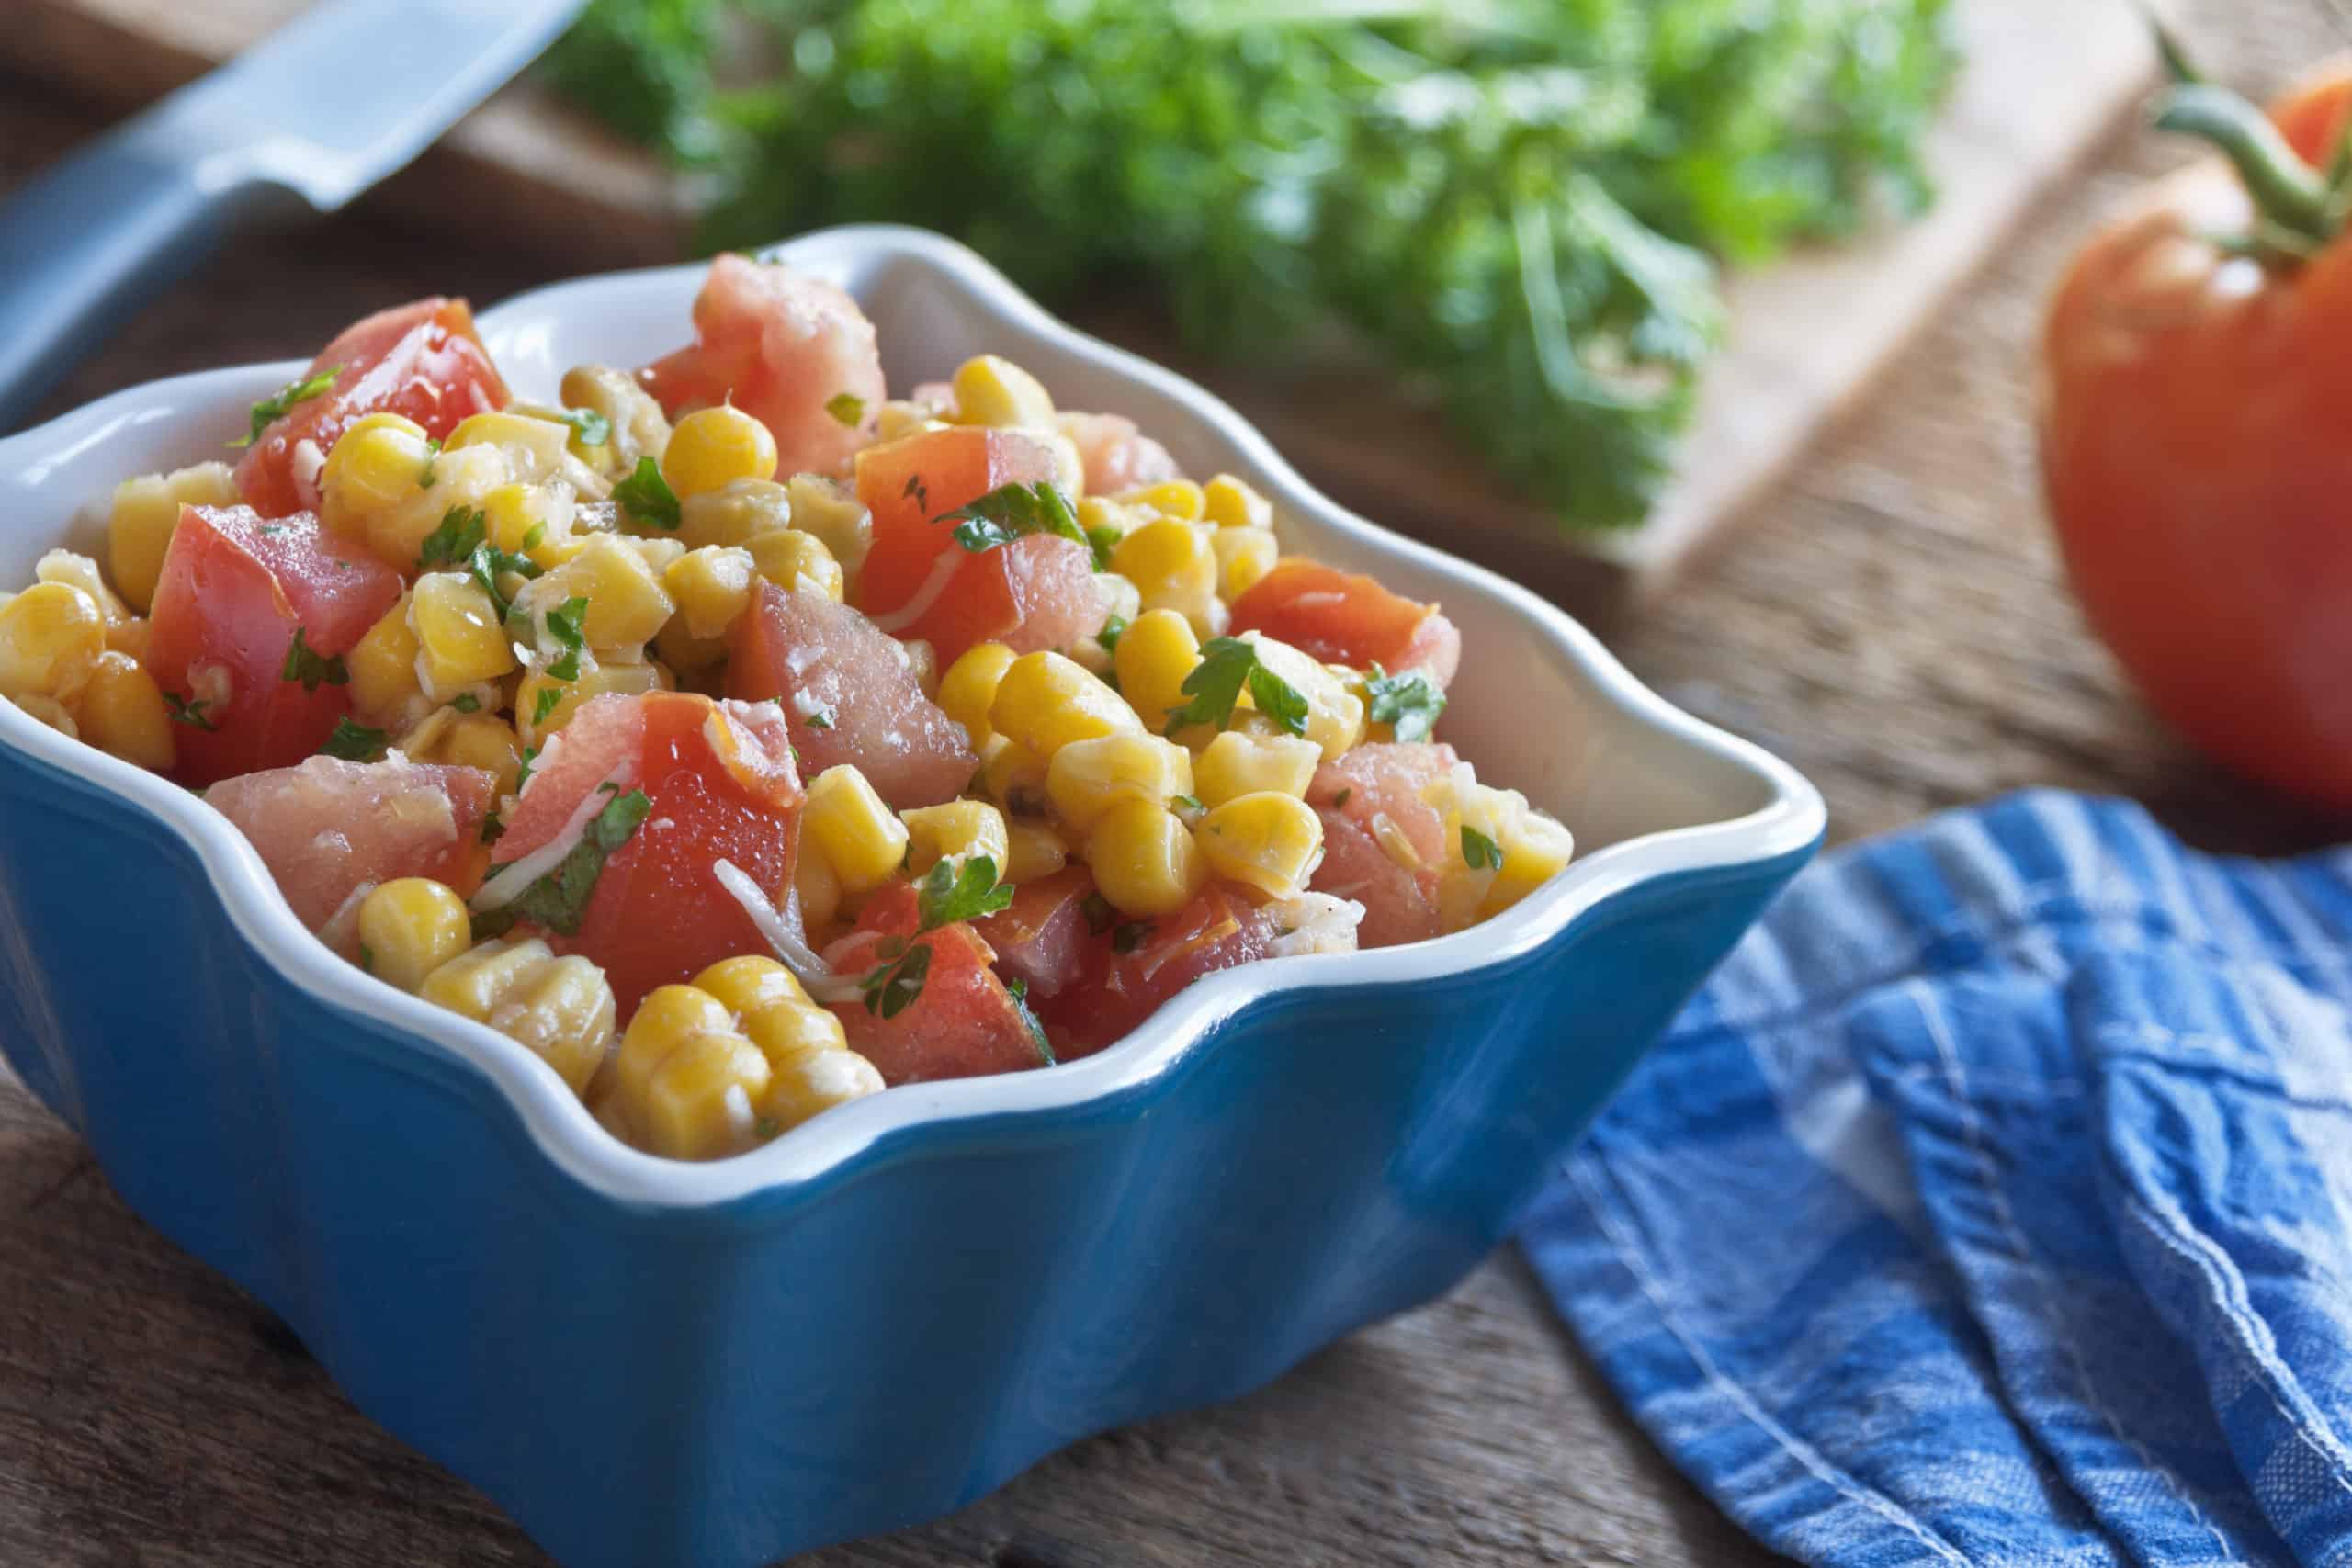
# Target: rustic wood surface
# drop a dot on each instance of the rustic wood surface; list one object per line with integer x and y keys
{"x": 1892, "y": 621}
{"x": 2042, "y": 83}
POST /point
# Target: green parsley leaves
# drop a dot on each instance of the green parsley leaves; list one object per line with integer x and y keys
{"x": 1014, "y": 511}
{"x": 550, "y": 699}
{"x": 1107, "y": 640}
{"x": 1018, "y": 989}
{"x": 279, "y": 404}
{"x": 431, "y": 456}
{"x": 461, "y": 532}
{"x": 592, "y": 428}
{"x": 1478, "y": 852}
{"x": 948, "y": 895}
{"x": 565, "y": 624}
{"x": 559, "y": 899}
{"x": 466, "y": 702}
{"x": 646, "y": 496}
{"x": 304, "y": 663}
{"x": 1408, "y": 703}
{"x": 189, "y": 713}
{"x": 1127, "y": 938}
{"x": 892, "y": 988}
{"x": 1228, "y": 664}
{"x": 355, "y": 742}
{"x": 847, "y": 408}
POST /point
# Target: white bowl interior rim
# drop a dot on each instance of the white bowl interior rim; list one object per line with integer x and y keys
{"x": 1786, "y": 815}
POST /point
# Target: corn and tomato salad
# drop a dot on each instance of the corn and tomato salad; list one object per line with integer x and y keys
{"x": 744, "y": 740}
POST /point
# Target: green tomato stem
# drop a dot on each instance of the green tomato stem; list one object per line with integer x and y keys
{"x": 2289, "y": 192}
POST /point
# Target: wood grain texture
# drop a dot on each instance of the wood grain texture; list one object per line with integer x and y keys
{"x": 1892, "y": 621}
{"x": 1805, "y": 334}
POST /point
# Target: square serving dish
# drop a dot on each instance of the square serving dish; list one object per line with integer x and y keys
{"x": 889, "y": 1311}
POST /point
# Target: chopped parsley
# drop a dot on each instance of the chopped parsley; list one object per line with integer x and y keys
{"x": 821, "y": 719}
{"x": 915, "y": 488}
{"x": 1098, "y": 913}
{"x": 592, "y": 428}
{"x": 1108, "y": 637}
{"x": 558, "y": 901}
{"x": 848, "y": 408}
{"x": 1130, "y": 936}
{"x": 1102, "y": 540}
{"x": 523, "y": 773}
{"x": 565, "y": 624}
{"x": 1018, "y": 989}
{"x": 533, "y": 536}
{"x": 353, "y": 742}
{"x": 765, "y": 1127}
{"x": 1342, "y": 798}
{"x": 487, "y": 564}
{"x": 466, "y": 702}
{"x": 493, "y": 828}
{"x": 892, "y": 987}
{"x": 646, "y": 496}
{"x": 1478, "y": 852}
{"x": 279, "y": 404}
{"x": 948, "y": 895}
{"x": 1228, "y": 664}
{"x": 1408, "y": 703}
{"x": 1186, "y": 803}
{"x": 432, "y": 453}
{"x": 366, "y": 958}
{"x": 461, "y": 532}
{"x": 550, "y": 699}
{"x": 189, "y": 713}
{"x": 306, "y": 664}
{"x": 1014, "y": 511}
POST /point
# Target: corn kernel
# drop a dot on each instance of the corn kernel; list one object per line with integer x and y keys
{"x": 1098, "y": 513}
{"x": 830, "y": 511}
{"x": 969, "y": 686}
{"x": 1270, "y": 842}
{"x": 1086, "y": 778}
{"x": 373, "y": 486}
{"x": 1237, "y": 763}
{"x": 460, "y": 640}
{"x": 638, "y": 427}
{"x": 1154, "y": 656}
{"x": 847, "y": 823}
{"x": 1013, "y": 775}
{"x": 383, "y": 665}
{"x": 409, "y": 927}
{"x": 956, "y": 831}
{"x": 560, "y": 1008}
{"x": 771, "y": 1009}
{"x": 1180, "y": 499}
{"x": 597, "y": 677}
{"x": 1231, "y": 502}
{"x": 1334, "y": 713}
{"x": 734, "y": 514}
{"x": 750, "y": 982}
{"x": 695, "y": 659}
{"x": 1173, "y": 566}
{"x": 1032, "y": 852}
{"x": 50, "y": 712}
{"x": 377, "y": 462}
{"x": 1121, "y": 599}
{"x": 900, "y": 417}
{"x": 82, "y": 572}
{"x": 130, "y": 636}
{"x": 1046, "y": 701}
{"x": 1535, "y": 848}
{"x": 529, "y": 520}
{"x": 122, "y": 711}
{"x": 50, "y": 637}
{"x": 993, "y": 391}
{"x": 536, "y": 450}
{"x": 667, "y": 1018}
{"x": 470, "y": 740}
{"x": 792, "y": 559}
{"x": 808, "y": 1082}
{"x": 622, "y": 583}
{"x": 921, "y": 660}
{"x": 699, "y": 1102}
{"x": 1145, "y": 859}
{"x": 1243, "y": 556}
{"x": 714, "y": 447}
{"x": 818, "y": 889}
{"x": 712, "y": 587}
{"x": 146, "y": 510}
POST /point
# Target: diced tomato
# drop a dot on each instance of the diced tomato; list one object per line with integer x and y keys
{"x": 422, "y": 361}
{"x": 1116, "y": 989}
{"x": 328, "y": 827}
{"x": 1117, "y": 454}
{"x": 233, "y": 591}
{"x": 722, "y": 787}
{"x": 1033, "y": 593}
{"x": 1382, "y": 843}
{"x": 823, "y": 660}
{"x": 963, "y": 1024}
{"x": 1041, "y": 937}
{"x": 1344, "y": 617}
{"x": 781, "y": 346}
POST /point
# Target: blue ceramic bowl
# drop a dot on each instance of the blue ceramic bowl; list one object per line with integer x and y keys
{"x": 887, "y": 1313}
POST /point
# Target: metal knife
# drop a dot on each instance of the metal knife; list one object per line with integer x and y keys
{"x": 320, "y": 109}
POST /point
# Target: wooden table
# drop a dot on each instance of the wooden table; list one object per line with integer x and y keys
{"x": 1893, "y": 623}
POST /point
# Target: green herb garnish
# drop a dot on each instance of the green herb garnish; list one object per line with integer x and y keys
{"x": 353, "y": 742}
{"x": 550, "y": 699}
{"x": 565, "y": 624}
{"x": 558, "y": 901}
{"x": 1099, "y": 917}
{"x": 646, "y": 496}
{"x": 848, "y": 408}
{"x": 1014, "y": 511}
{"x": 892, "y": 988}
{"x": 466, "y": 702}
{"x": 946, "y": 895}
{"x": 366, "y": 958}
{"x": 1108, "y": 637}
{"x": 523, "y": 773}
{"x": 1478, "y": 852}
{"x": 461, "y": 532}
{"x": 1228, "y": 664}
{"x": 1186, "y": 803}
{"x": 432, "y": 453}
{"x": 275, "y": 406}
{"x": 1127, "y": 938}
{"x": 1102, "y": 540}
{"x": 1408, "y": 703}
{"x": 191, "y": 714}
{"x": 1018, "y": 989}
{"x": 592, "y": 428}
{"x": 492, "y": 827}
{"x": 304, "y": 663}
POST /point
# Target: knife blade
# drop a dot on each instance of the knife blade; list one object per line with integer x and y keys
{"x": 341, "y": 96}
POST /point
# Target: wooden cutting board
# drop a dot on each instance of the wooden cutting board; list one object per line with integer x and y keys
{"x": 2045, "y": 80}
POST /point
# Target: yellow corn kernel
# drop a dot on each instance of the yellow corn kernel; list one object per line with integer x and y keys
{"x": 460, "y": 640}
{"x": 596, "y": 678}
{"x": 922, "y": 662}
{"x": 830, "y": 511}
{"x": 1046, "y": 701}
{"x": 529, "y": 520}
{"x": 993, "y": 391}
{"x": 82, "y": 572}
{"x": 1243, "y": 556}
{"x": 1086, "y": 778}
{"x": 1237, "y": 763}
{"x": 667, "y": 1018}
{"x": 1334, "y": 713}
{"x": 130, "y": 636}
{"x": 734, "y": 514}
{"x": 409, "y": 927}
{"x": 50, "y": 712}
{"x": 383, "y": 665}
{"x": 749, "y": 984}
{"x": 1180, "y": 499}
{"x": 50, "y": 637}
{"x": 373, "y": 485}
{"x": 692, "y": 656}
{"x": 1145, "y": 859}
{"x": 536, "y": 450}
{"x": 713, "y": 447}
{"x": 771, "y": 1009}
{"x": 1154, "y": 656}
{"x": 808, "y": 1082}
{"x": 1535, "y": 848}
{"x": 1268, "y": 840}
{"x": 819, "y": 890}
{"x": 560, "y": 1008}
{"x": 955, "y": 833}
{"x": 622, "y": 583}
{"x": 969, "y": 686}
{"x": 849, "y": 825}
{"x": 378, "y": 462}
{"x": 696, "y": 1100}
{"x": 470, "y": 740}
{"x": 1173, "y": 566}
{"x": 792, "y": 559}
{"x": 1121, "y": 599}
{"x": 121, "y": 710}
{"x": 1032, "y": 852}
{"x": 638, "y": 427}
{"x": 712, "y": 587}
{"x": 146, "y": 510}
{"x": 1231, "y": 502}
{"x": 1096, "y": 512}
{"x": 900, "y": 417}
{"x": 1013, "y": 775}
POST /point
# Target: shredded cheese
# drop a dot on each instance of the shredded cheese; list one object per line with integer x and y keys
{"x": 784, "y": 936}
{"x": 518, "y": 874}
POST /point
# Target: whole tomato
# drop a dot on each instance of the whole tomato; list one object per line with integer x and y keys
{"x": 2196, "y": 432}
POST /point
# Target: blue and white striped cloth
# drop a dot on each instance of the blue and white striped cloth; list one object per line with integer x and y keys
{"x": 1993, "y": 1206}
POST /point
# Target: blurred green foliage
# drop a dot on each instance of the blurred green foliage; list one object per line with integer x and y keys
{"x": 1516, "y": 206}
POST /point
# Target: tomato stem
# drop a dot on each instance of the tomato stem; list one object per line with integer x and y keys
{"x": 2287, "y": 191}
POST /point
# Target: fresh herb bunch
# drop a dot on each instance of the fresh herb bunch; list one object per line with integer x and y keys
{"x": 1513, "y": 203}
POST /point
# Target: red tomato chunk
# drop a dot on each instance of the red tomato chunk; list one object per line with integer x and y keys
{"x": 964, "y": 1024}
{"x": 1345, "y": 617}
